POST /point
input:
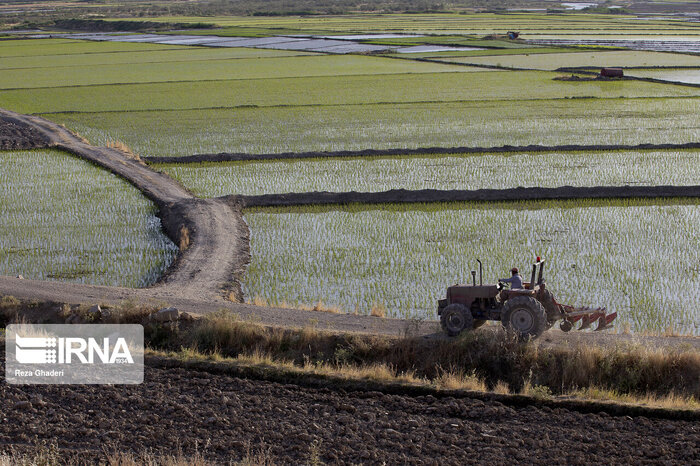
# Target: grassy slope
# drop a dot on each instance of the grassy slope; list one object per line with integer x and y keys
{"x": 485, "y": 360}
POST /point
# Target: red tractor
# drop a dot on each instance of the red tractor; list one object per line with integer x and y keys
{"x": 527, "y": 311}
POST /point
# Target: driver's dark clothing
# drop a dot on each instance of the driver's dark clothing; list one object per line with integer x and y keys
{"x": 516, "y": 281}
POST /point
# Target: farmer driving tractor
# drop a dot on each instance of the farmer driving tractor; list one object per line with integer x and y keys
{"x": 516, "y": 281}
{"x": 527, "y": 309}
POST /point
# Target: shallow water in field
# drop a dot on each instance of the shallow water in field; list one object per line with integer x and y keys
{"x": 476, "y": 171}
{"x": 629, "y": 256}
{"x": 65, "y": 219}
{"x": 668, "y": 44}
{"x": 681, "y": 76}
{"x": 356, "y": 127}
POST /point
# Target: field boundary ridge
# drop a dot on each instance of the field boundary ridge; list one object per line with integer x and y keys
{"x": 479, "y": 195}
{"x": 332, "y": 382}
{"x": 244, "y": 157}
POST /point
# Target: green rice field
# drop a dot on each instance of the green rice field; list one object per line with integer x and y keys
{"x": 613, "y": 254}
{"x": 199, "y": 100}
{"x": 553, "y": 61}
{"x": 68, "y": 220}
{"x": 440, "y": 172}
{"x": 142, "y": 53}
{"x": 56, "y": 49}
{"x": 340, "y": 89}
{"x": 65, "y": 219}
{"x": 382, "y": 126}
{"x": 521, "y": 50}
{"x": 217, "y": 70}
{"x": 535, "y": 25}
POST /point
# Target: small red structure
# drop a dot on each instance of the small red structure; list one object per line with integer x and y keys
{"x": 611, "y": 72}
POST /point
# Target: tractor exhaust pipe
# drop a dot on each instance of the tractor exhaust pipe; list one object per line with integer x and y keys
{"x": 532, "y": 277}
{"x": 539, "y": 278}
{"x": 481, "y": 272}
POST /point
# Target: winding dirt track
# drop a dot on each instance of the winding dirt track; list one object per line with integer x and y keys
{"x": 211, "y": 233}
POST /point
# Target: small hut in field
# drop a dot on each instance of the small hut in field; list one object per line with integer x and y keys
{"x": 611, "y": 72}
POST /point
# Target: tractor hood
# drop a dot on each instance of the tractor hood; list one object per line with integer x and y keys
{"x": 455, "y": 292}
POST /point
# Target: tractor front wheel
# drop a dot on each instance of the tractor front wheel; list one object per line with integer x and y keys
{"x": 525, "y": 316}
{"x": 455, "y": 318}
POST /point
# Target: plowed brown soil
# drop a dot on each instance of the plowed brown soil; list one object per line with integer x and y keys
{"x": 224, "y": 416}
{"x": 15, "y": 136}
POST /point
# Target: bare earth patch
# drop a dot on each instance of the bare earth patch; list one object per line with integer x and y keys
{"x": 16, "y": 136}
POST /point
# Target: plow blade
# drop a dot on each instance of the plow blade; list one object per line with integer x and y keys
{"x": 606, "y": 321}
{"x": 587, "y": 316}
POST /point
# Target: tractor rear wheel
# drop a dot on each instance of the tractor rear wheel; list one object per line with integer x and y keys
{"x": 455, "y": 318}
{"x": 525, "y": 316}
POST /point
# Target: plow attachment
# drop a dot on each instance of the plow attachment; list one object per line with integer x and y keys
{"x": 586, "y": 316}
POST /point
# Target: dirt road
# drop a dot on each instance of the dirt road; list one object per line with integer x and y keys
{"x": 75, "y": 293}
{"x": 223, "y": 416}
{"x": 211, "y": 233}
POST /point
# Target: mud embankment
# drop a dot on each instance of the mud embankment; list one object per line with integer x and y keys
{"x": 214, "y": 248}
{"x": 587, "y": 70}
{"x": 241, "y": 157}
{"x": 487, "y": 195}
